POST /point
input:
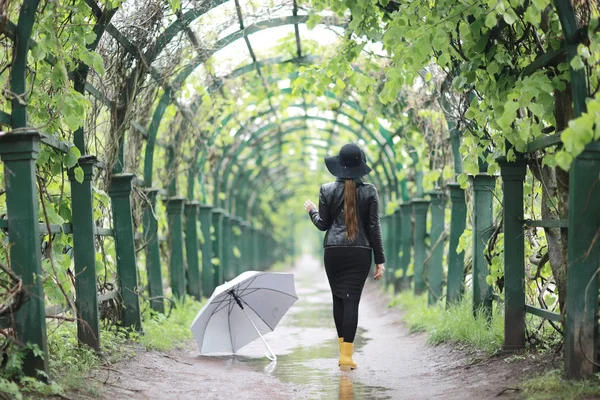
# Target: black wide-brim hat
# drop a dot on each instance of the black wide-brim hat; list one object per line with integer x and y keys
{"x": 350, "y": 163}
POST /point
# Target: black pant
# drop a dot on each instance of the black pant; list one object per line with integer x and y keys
{"x": 347, "y": 270}
{"x": 345, "y": 315}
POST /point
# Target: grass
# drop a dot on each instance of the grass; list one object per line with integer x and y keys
{"x": 458, "y": 325}
{"x": 552, "y": 385}
{"x": 453, "y": 325}
{"x": 72, "y": 365}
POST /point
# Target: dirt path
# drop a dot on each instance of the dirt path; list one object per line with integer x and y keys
{"x": 393, "y": 364}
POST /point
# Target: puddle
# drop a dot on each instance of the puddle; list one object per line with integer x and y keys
{"x": 312, "y": 352}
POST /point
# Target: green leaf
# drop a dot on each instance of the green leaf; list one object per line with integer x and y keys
{"x": 491, "y": 20}
{"x": 53, "y": 217}
{"x": 510, "y": 17}
{"x": 563, "y": 159}
{"x": 577, "y": 63}
{"x": 79, "y": 174}
{"x": 462, "y": 180}
{"x": 72, "y": 157}
{"x": 313, "y": 21}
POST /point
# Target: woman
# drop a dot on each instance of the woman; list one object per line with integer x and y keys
{"x": 348, "y": 211}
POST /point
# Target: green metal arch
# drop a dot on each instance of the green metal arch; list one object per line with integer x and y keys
{"x": 347, "y": 126}
{"x": 243, "y": 145}
{"x": 252, "y": 182}
{"x": 392, "y": 165}
{"x": 186, "y": 71}
{"x": 266, "y": 157}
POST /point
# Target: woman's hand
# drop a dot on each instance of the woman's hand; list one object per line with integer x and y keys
{"x": 379, "y": 270}
{"x": 309, "y": 205}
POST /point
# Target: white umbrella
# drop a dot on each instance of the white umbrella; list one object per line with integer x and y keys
{"x": 243, "y": 309}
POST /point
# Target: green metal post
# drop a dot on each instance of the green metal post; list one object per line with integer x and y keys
{"x": 84, "y": 254}
{"x": 194, "y": 281}
{"x": 397, "y": 246}
{"x": 207, "y": 249}
{"x": 19, "y": 152}
{"x": 217, "y": 221}
{"x": 120, "y": 194}
{"x": 227, "y": 251}
{"x": 581, "y": 328}
{"x": 435, "y": 275}
{"x": 420, "y": 207}
{"x": 513, "y": 176}
{"x": 583, "y": 249}
{"x": 153, "y": 268}
{"x": 177, "y": 260}
{"x": 456, "y": 261}
{"x": 237, "y": 243}
{"x": 483, "y": 196}
{"x": 245, "y": 239}
{"x": 391, "y": 251}
{"x": 386, "y": 240}
{"x": 255, "y": 249}
{"x": 405, "y": 241}
{"x": 18, "y": 84}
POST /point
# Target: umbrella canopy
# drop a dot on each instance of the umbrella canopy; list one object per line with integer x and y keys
{"x": 241, "y": 310}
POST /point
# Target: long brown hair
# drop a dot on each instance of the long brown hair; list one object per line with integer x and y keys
{"x": 350, "y": 209}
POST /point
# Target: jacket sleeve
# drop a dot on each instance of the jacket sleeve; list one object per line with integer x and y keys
{"x": 375, "y": 230}
{"x": 321, "y": 219}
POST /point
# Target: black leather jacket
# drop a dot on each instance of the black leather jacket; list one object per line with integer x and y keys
{"x": 331, "y": 202}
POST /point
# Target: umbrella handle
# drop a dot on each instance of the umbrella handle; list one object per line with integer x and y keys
{"x": 270, "y": 356}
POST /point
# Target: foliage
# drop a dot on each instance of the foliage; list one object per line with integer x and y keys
{"x": 72, "y": 364}
{"x": 163, "y": 333}
{"x": 455, "y": 324}
{"x": 553, "y": 385}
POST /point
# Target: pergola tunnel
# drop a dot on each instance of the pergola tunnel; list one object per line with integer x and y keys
{"x": 153, "y": 150}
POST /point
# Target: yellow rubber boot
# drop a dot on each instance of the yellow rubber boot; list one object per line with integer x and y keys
{"x": 346, "y": 362}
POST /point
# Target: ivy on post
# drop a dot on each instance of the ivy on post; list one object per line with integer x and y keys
{"x": 194, "y": 287}
{"x": 84, "y": 254}
{"x": 435, "y": 275}
{"x": 217, "y": 260}
{"x": 207, "y": 249}
{"x": 120, "y": 189}
{"x": 153, "y": 269}
{"x": 405, "y": 238}
{"x": 420, "y": 207}
{"x": 19, "y": 152}
{"x": 513, "y": 176}
{"x": 456, "y": 261}
{"x": 483, "y": 196}
{"x": 177, "y": 261}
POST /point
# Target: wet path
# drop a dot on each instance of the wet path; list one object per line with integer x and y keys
{"x": 392, "y": 364}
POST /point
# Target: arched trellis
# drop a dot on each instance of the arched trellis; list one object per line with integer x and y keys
{"x": 391, "y": 164}
{"x": 165, "y": 99}
{"x": 270, "y": 126}
{"x": 178, "y": 81}
{"x": 389, "y": 174}
{"x": 254, "y": 186}
{"x": 246, "y": 179}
